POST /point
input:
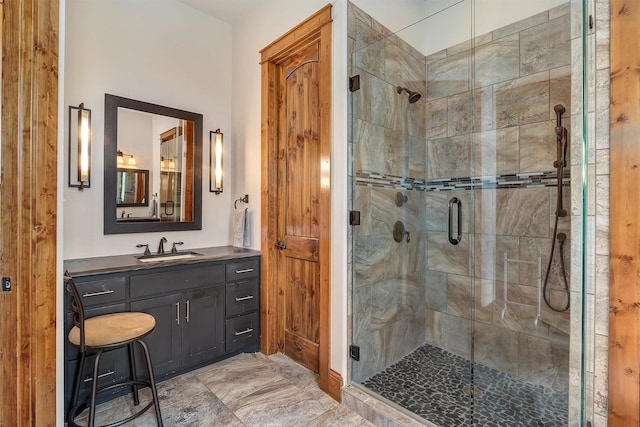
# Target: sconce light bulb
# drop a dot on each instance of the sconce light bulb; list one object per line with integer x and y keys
{"x": 218, "y": 168}
{"x": 83, "y": 146}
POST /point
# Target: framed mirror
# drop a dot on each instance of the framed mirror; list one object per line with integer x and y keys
{"x": 132, "y": 187}
{"x": 152, "y": 166}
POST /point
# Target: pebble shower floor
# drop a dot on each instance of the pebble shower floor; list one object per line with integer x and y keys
{"x": 436, "y": 385}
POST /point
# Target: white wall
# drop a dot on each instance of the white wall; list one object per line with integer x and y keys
{"x": 158, "y": 51}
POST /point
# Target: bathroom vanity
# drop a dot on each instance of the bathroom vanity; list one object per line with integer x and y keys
{"x": 206, "y": 307}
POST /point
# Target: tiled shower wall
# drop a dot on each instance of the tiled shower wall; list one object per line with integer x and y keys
{"x": 504, "y": 132}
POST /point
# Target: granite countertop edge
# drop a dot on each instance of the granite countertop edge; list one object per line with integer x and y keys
{"x": 129, "y": 262}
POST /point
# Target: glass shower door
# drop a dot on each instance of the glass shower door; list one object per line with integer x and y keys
{"x": 411, "y": 287}
{"x": 461, "y": 126}
{"x": 522, "y": 108}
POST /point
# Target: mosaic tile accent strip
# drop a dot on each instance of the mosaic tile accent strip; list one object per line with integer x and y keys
{"x": 437, "y": 386}
{"x": 519, "y": 180}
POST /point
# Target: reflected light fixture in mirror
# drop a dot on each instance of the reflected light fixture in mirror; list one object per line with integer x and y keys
{"x": 79, "y": 147}
{"x": 131, "y": 160}
{"x": 215, "y": 161}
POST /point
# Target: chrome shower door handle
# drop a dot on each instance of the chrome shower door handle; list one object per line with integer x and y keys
{"x": 458, "y": 238}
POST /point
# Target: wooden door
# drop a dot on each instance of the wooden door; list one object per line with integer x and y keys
{"x": 295, "y": 281}
{"x": 298, "y": 222}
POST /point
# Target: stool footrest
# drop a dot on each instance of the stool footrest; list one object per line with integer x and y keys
{"x": 81, "y": 406}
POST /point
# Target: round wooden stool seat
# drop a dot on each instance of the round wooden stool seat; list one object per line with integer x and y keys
{"x": 110, "y": 329}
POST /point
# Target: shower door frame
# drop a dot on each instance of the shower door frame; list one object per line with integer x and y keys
{"x": 578, "y": 274}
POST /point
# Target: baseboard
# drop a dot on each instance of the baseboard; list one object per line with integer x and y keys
{"x": 335, "y": 385}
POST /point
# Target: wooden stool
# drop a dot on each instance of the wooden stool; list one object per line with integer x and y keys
{"x": 107, "y": 332}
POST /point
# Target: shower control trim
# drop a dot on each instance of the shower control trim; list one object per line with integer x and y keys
{"x": 455, "y": 240}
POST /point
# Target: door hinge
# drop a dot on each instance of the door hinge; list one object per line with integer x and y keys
{"x": 354, "y": 217}
{"x": 6, "y": 284}
{"x": 591, "y": 22}
{"x": 354, "y": 83}
{"x": 354, "y": 352}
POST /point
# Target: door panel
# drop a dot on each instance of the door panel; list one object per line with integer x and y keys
{"x": 165, "y": 341}
{"x": 203, "y": 336}
{"x": 299, "y": 192}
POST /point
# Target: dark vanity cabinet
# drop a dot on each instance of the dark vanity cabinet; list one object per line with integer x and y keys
{"x": 204, "y": 311}
{"x": 242, "y": 304}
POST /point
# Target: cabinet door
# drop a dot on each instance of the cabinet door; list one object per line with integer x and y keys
{"x": 203, "y": 331}
{"x": 165, "y": 341}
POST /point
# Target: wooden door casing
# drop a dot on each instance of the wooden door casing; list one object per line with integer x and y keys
{"x": 624, "y": 292}
{"x": 278, "y": 59}
{"x": 28, "y": 223}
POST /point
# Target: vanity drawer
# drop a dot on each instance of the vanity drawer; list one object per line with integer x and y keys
{"x": 113, "y": 368}
{"x": 243, "y": 270}
{"x": 175, "y": 280}
{"x": 101, "y": 291}
{"x": 242, "y": 297}
{"x": 242, "y": 331}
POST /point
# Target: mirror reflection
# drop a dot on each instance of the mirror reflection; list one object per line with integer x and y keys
{"x": 132, "y": 188}
{"x": 157, "y": 152}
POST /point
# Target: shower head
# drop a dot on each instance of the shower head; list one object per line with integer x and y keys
{"x": 413, "y": 96}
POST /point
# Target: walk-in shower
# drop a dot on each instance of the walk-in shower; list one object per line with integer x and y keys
{"x": 461, "y": 291}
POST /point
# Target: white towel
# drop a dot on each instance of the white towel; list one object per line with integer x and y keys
{"x": 239, "y": 227}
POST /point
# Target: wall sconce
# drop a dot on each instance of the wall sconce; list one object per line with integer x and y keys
{"x": 79, "y": 147}
{"x": 215, "y": 161}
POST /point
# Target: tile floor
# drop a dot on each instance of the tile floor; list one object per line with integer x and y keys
{"x": 245, "y": 390}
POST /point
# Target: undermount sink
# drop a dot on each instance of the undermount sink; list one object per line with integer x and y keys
{"x": 167, "y": 257}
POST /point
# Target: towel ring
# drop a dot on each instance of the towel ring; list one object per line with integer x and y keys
{"x": 244, "y": 199}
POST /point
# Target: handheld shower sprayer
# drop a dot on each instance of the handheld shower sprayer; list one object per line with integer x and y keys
{"x": 559, "y": 164}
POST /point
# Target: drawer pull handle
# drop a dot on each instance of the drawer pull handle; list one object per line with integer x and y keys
{"x": 244, "y": 298}
{"x": 95, "y": 294}
{"x": 246, "y": 270}
{"x": 246, "y": 331}
{"x": 106, "y": 374}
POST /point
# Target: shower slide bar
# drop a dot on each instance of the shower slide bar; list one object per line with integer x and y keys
{"x": 505, "y": 298}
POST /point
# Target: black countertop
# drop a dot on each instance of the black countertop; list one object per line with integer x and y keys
{"x": 129, "y": 262}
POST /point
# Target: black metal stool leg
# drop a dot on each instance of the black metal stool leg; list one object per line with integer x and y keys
{"x": 152, "y": 382}
{"x": 76, "y": 387}
{"x": 134, "y": 375}
{"x": 94, "y": 390}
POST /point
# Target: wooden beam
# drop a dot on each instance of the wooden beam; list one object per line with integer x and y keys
{"x": 624, "y": 318}
{"x": 28, "y": 222}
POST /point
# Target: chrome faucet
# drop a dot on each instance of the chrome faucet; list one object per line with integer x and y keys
{"x": 163, "y": 240}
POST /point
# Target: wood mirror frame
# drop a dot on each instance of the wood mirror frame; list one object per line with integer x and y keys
{"x": 111, "y": 225}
